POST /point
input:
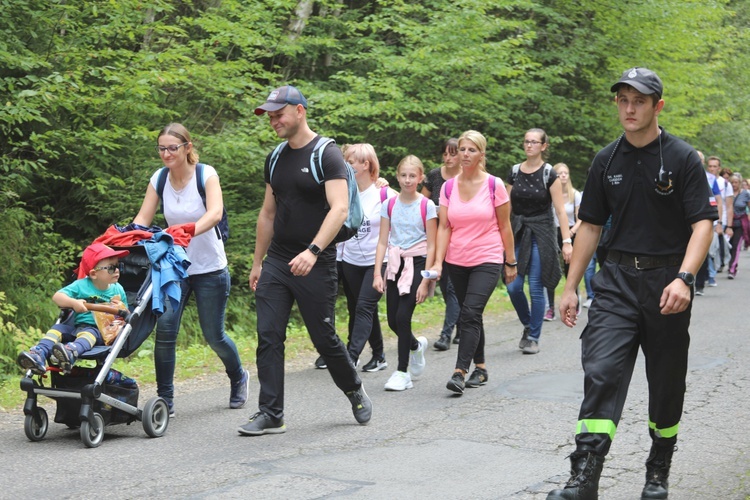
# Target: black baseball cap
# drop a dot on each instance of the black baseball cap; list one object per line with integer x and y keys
{"x": 280, "y": 97}
{"x": 643, "y": 80}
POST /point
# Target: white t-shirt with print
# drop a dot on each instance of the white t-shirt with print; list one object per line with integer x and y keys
{"x": 360, "y": 249}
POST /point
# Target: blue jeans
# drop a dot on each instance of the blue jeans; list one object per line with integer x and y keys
{"x": 587, "y": 275}
{"x": 532, "y": 318}
{"x": 211, "y": 294}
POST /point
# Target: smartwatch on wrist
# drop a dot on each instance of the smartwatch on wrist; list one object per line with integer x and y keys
{"x": 688, "y": 278}
{"x": 315, "y": 249}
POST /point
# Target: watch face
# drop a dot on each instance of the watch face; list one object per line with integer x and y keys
{"x": 688, "y": 278}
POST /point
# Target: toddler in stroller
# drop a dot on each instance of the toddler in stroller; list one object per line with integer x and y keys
{"x": 94, "y": 397}
{"x": 97, "y": 282}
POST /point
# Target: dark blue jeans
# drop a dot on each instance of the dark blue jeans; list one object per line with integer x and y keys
{"x": 532, "y": 317}
{"x": 211, "y": 294}
{"x": 315, "y": 294}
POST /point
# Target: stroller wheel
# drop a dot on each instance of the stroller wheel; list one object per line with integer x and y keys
{"x": 92, "y": 433}
{"x": 155, "y": 417}
{"x": 35, "y": 426}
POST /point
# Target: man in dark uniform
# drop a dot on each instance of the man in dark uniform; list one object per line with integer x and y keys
{"x": 296, "y": 225}
{"x": 654, "y": 187}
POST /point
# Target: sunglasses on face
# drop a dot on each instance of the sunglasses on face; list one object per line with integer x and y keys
{"x": 111, "y": 269}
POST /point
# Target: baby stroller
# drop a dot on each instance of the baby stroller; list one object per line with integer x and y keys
{"x": 95, "y": 397}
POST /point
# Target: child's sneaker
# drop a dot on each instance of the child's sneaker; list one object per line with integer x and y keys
{"x": 32, "y": 360}
{"x": 66, "y": 355}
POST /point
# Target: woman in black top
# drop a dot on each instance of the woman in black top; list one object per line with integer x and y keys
{"x": 535, "y": 234}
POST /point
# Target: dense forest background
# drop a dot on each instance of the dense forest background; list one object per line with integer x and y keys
{"x": 86, "y": 84}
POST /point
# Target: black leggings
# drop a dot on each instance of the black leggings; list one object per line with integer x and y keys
{"x": 400, "y": 310}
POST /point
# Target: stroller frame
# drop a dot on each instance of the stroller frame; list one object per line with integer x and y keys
{"x": 155, "y": 413}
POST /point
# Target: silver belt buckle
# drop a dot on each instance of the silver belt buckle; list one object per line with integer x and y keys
{"x": 637, "y": 264}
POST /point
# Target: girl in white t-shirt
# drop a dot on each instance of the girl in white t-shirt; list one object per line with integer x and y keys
{"x": 408, "y": 226}
{"x": 208, "y": 275}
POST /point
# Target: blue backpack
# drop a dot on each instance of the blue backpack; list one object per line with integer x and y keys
{"x": 222, "y": 228}
{"x": 356, "y": 214}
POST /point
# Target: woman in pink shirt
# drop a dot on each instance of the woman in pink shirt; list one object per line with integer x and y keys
{"x": 475, "y": 240}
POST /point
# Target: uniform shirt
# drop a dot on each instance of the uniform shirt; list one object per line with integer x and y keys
{"x": 84, "y": 289}
{"x": 529, "y": 196}
{"x": 475, "y": 236}
{"x": 648, "y": 218}
{"x": 205, "y": 251}
{"x": 407, "y": 227}
{"x": 360, "y": 249}
{"x": 301, "y": 204}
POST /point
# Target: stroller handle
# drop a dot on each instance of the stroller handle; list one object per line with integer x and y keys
{"x": 108, "y": 309}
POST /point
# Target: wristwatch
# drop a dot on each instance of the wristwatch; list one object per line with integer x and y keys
{"x": 315, "y": 249}
{"x": 567, "y": 240}
{"x": 688, "y": 278}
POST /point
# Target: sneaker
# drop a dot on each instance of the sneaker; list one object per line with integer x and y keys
{"x": 478, "y": 377}
{"x": 456, "y": 383}
{"x": 239, "y": 393}
{"x": 532, "y": 347}
{"x": 720, "y": 270}
{"x": 731, "y": 275}
{"x": 712, "y": 282}
{"x": 524, "y": 338}
{"x": 66, "y": 355}
{"x": 375, "y": 365}
{"x": 699, "y": 291}
{"x": 587, "y": 304}
{"x": 549, "y": 315}
{"x": 457, "y": 338}
{"x": 443, "y": 343}
{"x": 170, "y": 405}
{"x": 361, "y": 404}
{"x": 416, "y": 358}
{"x": 261, "y": 423}
{"x": 32, "y": 360}
{"x": 320, "y": 363}
{"x": 399, "y": 381}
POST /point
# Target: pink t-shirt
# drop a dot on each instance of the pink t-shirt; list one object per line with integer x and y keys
{"x": 475, "y": 236}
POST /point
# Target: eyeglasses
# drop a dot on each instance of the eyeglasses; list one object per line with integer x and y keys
{"x": 110, "y": 269}
{"x": 532, "y": 143}
{"x": 172, "y": 148}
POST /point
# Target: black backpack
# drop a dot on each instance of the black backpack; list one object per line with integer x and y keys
{"x": 222, "y": 228}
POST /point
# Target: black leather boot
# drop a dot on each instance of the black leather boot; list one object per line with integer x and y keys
{"x": 657, "y": 472}
{"x": 443, "y": 343}
{"x": 585, "y": 470}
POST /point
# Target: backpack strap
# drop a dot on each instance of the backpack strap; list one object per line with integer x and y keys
{"x": 491, "y": 182}
{"x": 383, "y": 194}
{"x": 449, "y": 187}
{"x": 275, "y": 158}
{"x": 391, "y": 202}
{"x": 201, "y": 182}
{"x": 546, "y": 174}
{"x": 316, "y": 159}
{"x": 514, "y": 172}
{"x": 423, "y": 209}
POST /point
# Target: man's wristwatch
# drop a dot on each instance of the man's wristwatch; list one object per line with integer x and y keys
{"x": 315, "y": 249}
{"x": 688, "y": 278}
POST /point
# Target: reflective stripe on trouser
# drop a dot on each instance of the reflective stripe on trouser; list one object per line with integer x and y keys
{"x": 625, "y": 317}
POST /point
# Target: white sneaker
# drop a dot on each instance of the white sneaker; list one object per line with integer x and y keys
{"x": 416, "y": 358}
{"x": 399, "y": 381}
{"x": 587, "y": 304}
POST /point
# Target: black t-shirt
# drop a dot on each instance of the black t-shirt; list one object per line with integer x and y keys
{"x": 301, "y": 204}
{"x": 529, "y": 196}
{"x": 649, "y": 216}
{"x": 434, "y": 181}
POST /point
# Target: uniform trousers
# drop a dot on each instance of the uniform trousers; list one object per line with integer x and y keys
{"x": 315, "y": 294}
{"x": 624, "y": 317}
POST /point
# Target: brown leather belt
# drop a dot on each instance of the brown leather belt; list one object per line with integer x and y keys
{"x": 644, "y": 261}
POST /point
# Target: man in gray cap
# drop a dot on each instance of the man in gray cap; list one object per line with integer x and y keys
{"x": 654, "y": 187}
{"x": 296, "y": 225}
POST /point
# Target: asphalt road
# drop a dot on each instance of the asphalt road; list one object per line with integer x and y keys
{"x": 506, "y": 440}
